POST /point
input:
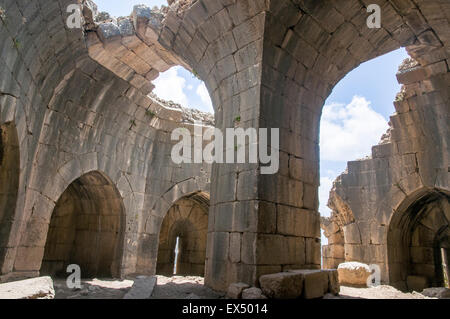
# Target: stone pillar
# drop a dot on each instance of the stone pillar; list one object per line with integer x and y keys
{"x": 261, "y": 224}
{"x": 445, "y": 267}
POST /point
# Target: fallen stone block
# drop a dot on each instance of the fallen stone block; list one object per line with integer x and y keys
{"x": 253, "y": 293}
{"x": 285, "y": 285}
{"x": 353, "y": 274}
{"x": 235, "y": 290}
{"x": 315, "y": 283}
{"x": 440, "y": 293}
{"x": 142, "y": 288}
{"x": 333, "y": 281}
{"x": 35, "y": 288}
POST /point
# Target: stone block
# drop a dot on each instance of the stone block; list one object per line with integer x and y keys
{"x": 142, "y": 288}
{"x": 315, "y": 283}
{"x": 353, "y": 274}
{"x": 285, "y": 285}
{"x": 440, "y": 293}
{"x": 235, "y": 290}
{"x": 333, "y": 281}
{"x": 253, "y": 293}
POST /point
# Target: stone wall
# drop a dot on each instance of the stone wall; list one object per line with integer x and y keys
{"x": 73, "y": 116}
{"x": 79, "y": 100}
{"x": 388, "y": 209}
{"x": 187, "y": 220}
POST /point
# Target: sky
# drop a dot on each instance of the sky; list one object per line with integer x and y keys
{"x": 354, "y": 118}
{"x": 118, "y": 8}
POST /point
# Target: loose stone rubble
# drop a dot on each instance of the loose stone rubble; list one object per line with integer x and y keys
{"x": 440, "y": 293}
{"x": 80, "y": 132}
{"x": 235, "y": 290}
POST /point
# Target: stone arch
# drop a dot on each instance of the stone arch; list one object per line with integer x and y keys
{"x": 87, "y": 228}
{"x": 418, "y": 229}
{"x": 184, "y": 227}
{"x": 9, "y": 180}
{"x": 149, "y": 238}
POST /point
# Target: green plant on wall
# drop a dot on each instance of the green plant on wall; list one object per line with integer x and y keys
{"x": 2, "y": 14}
{"x": 150, "y": 113}
{"x": 133, "y": 124}
{"x": 195, "y": 74}
{"x": 17, "y": 44}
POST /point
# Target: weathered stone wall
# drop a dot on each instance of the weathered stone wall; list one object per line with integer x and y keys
{"x": 73, "y": 116}
{"x": 376, "y": 217}
{"x": 273, "y": 64}
{"x": 86, "y": 229}
{"x": 187, "y": 220}
{"x": 79, "y": 101}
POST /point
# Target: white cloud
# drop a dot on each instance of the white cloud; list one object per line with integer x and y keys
{"x": 202, "y": 92}
{"x": 170, "y": 86}
{"x": 348, "y": 132}
{"x": 326, "y": 183}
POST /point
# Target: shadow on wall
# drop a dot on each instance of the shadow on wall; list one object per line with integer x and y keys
{"x": 183, "y": 238}
{"x": 86, "y": 228}
{"x": 9, "y": 180}
{"x": 418, "y": 239}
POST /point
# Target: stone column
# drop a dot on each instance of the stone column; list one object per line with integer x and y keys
{"x": 254, "y": 67}
{"x": 258, "y": 223}
{"x": 445, "y": 267}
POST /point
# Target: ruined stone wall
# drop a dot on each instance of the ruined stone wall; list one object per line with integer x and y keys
{"x": 272, "y": 64}
{"x": 370, "y": 201}
{"x": 78, "y": 98}
{"x": 187, "y": 220}
{"x": 74, "y": 116}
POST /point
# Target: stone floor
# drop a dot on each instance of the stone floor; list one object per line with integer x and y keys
{"x": 380, "y": 292}
{"x": 167, "y": 288}
{"x": 193, "y": 288}
{"x": 183, "y": 288}
{"x": 93, "y": 289}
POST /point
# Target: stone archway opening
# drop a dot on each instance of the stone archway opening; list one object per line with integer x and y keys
{"x": 9, "y": 178}
{"x": 183, "y": 237}
{"x": 418, "y": 242}
{"x": 180, "y": 87}
{"x": 355, "y": 117}
{"x": 86, "y": 229}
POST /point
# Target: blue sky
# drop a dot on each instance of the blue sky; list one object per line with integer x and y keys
{"x": 119, "y": 8}
{"x": 355, "y": 115}
{"x": 351, "y": 126}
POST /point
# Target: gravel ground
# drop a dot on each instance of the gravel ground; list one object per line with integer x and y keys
{"x": 183, "y": 288}
{"x": 380, "y": 292}
{"x": 167, "y": 288}
{"x": 93, "y": 289}
{"x": 193, "y": 288}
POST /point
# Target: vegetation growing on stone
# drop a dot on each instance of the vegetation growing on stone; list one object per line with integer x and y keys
{"x": 150, "y": 113}
{"x": 2, "y": 14}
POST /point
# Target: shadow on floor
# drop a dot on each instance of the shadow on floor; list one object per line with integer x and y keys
{"x": 93, "y": 289}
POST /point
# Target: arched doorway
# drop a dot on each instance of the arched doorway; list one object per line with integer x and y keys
{"x": 9, "y": 179}
{"x": 86, "y": 229}
{"x": 183, "y": 237}
{"x": 418, "y": 242}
